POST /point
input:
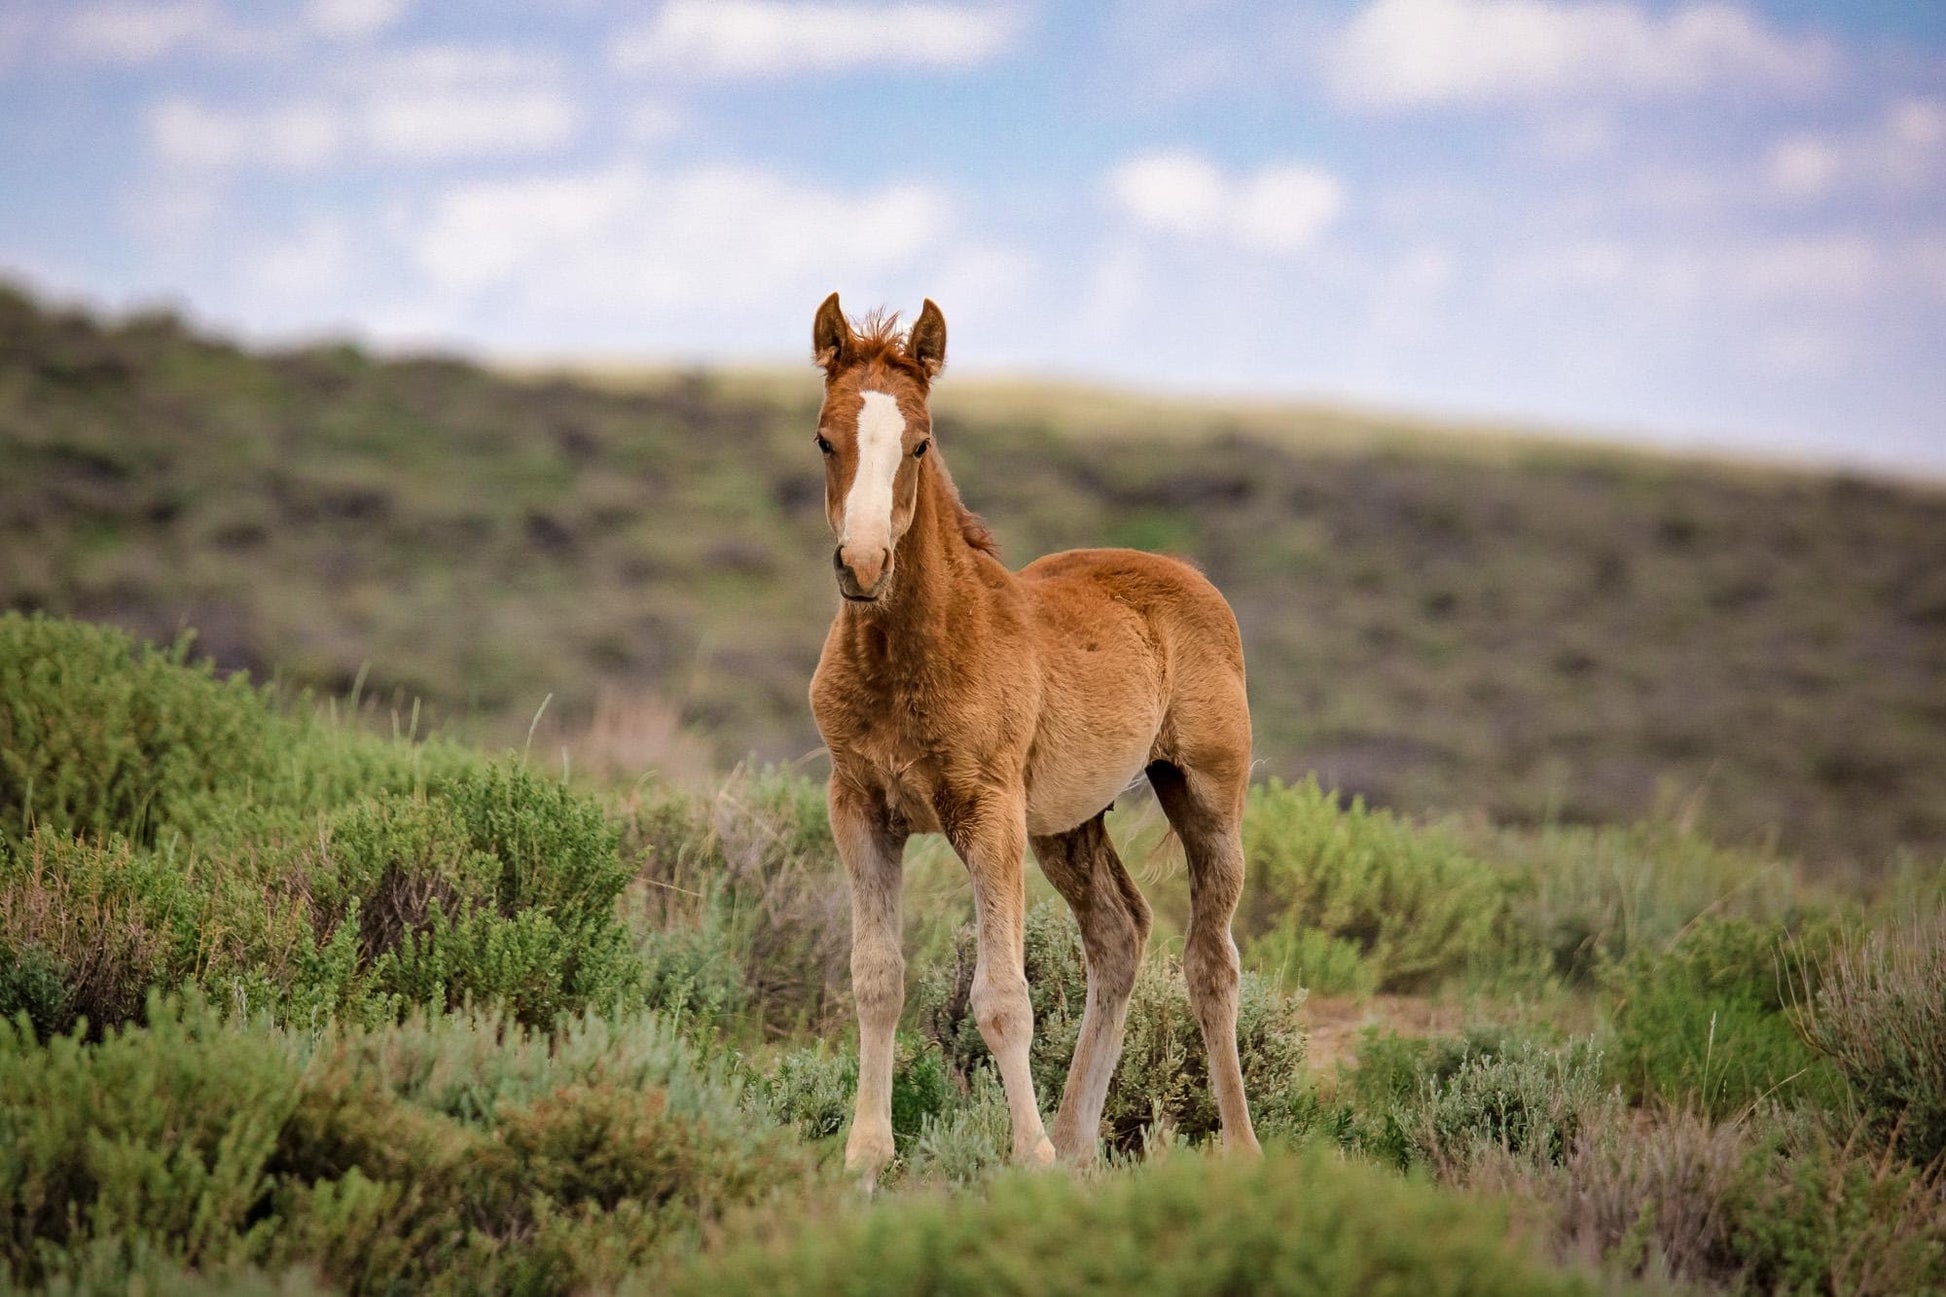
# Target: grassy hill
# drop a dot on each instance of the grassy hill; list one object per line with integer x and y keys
{"x": 1440, "y": 622}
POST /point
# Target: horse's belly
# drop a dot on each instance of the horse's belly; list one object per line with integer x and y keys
{"x": 1066, "y": 788}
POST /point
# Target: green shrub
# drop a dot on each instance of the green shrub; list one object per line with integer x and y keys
{"x": 492, "y": 885}
{"x": 1814, "y": 1215}
{"x": 1590, "y": 897}
{"x": 751, "y": 873}
{"x": 454, "y": 1154}
{"x": 1344, "y": 898}
{"x": 1879, "y": 1014}
{"x": 813, "y": 1089}
{"x": 1529, "y": 1101}
{"x": 1706, "y": 1021}
{"x": 1162, "y": 1077}
{"x": 100, "y": 735}
{"x": 1444, "y": 1102}
{"x": 1191, "y": 1224}
{"x": 158, "y": 827}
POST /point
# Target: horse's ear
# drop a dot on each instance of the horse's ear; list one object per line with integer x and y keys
{"x": 830, "y": 335}
{"x": 927, "y": 345}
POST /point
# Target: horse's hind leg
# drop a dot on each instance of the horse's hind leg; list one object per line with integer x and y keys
{"x": 1204, "y": 803}
{"x": 1114, "y": 920}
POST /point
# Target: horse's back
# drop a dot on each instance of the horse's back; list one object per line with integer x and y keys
{"x": 1188, "y": 617}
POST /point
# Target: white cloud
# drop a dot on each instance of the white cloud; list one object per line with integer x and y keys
{"x": 130, "y": 32}
{"x": 624, "y": 240}
{"x": 468, "y": 123}
{"x": 762, "y": 38}
{"x": 1421, "y": 53}
{"x": 419, "y": 105}
{"x": 1903, "y": 151}
{"x": 316, "y": 260}
{"x": 354, "y": 19}
{"x": 1283, "y": 208}
{"x": 298, "y": 136}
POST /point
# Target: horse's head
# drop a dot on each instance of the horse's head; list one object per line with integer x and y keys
{"x": 874, "y": 432}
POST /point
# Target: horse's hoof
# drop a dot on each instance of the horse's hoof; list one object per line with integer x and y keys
{"x": 867, "y": 1153}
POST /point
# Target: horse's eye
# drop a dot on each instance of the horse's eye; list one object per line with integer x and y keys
{"x": 824, "y": 447}
{"x": 919, "y": 451}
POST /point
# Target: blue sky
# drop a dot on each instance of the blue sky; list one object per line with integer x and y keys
{"x": 1706, "y": 223}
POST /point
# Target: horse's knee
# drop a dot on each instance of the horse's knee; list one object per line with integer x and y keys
{"x": 1001, "y": 1008}
{"x": 1211, "y": 968}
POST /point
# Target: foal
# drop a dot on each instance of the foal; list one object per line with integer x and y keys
{"x": 1003, "y": 708}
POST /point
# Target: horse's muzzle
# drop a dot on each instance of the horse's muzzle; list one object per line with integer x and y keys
{"x": 862, "y": 573}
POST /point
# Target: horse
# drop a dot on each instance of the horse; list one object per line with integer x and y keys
{"x": 1005, "y": 708}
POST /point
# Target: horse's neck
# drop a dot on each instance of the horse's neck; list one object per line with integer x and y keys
{"x": 936, "y": 586}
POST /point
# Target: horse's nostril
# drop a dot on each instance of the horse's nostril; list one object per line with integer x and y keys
{"x": 838, "y": 559}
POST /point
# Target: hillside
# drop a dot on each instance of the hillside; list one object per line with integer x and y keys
{"x": 1438, "y": 622}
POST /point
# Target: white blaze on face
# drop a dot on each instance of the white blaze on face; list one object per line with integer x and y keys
{"x": 881, "y": 445}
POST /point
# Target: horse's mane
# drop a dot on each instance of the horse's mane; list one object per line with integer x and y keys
{"x": 972, "y": 527}
{"x": 877, "y": 339}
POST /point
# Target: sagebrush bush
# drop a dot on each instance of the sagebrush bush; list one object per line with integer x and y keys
{"x": 1591, "y": 896}
{"x": 1188, "y": 1225}
{"x": 1706, "y": 1020}
{"x": 751, "y": 870}
{"x": 1654, "y": 1196}
{"x": 1446, "y": 1102}
{"x": 452, "y": 1154}
{"x": 1816, "y": 1214}
{"x": 101, "y": 735}
{"x": 1878, "y": 1013}
{"x": 159, "y": 827}
{"x": 1529, "y": 1101}
{"x": 1162, "y": 1077}
{"x": 1342, "y": 898}
{"x": 812, "y": 1089}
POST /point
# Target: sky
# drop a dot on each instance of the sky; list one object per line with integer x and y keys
{"x": 1711, "y": 224}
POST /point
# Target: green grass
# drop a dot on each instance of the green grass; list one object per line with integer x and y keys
{"x": 1471, "y": 623}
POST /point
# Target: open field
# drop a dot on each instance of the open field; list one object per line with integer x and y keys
{"x": 1623, "y": 971}
{"x": 293, "y": 1006}
{"x": 1449, "y": 623}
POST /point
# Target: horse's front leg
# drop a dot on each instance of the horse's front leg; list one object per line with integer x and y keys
{"x": 989, "y": 831}
{"x": 871, "y": 848}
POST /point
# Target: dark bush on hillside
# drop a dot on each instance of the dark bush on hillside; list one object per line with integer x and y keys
{"x": 1879, "y": 1014}
{"x": 1163, "y": 1076}
{"x": 459, "y": 1154}
{"x": 1705, "y": 1022}
{"x": 1192, "y": 1224}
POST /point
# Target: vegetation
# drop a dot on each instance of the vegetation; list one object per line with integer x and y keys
{"x": 295, "y": 1006}
{"x": 1191, "y": 1225}
{"x": 294, "y": 998}
{"x": 1439, "y": 623}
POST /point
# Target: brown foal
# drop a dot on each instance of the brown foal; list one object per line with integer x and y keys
{"x": 1003, "y": 708}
